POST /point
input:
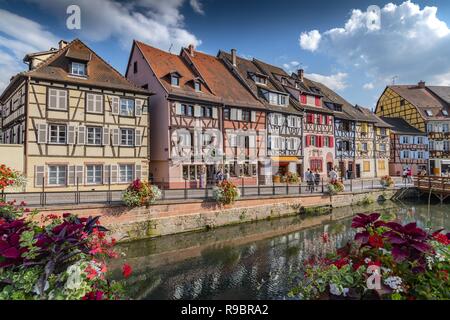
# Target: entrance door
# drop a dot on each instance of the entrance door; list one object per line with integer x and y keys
{"x": 358, "y": 170}
{"x": 210, "y": 173}
{"x": 329, "y": 166}
{"x": 350, "y": 170}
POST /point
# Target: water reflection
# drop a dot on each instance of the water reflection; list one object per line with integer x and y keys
{"x": 260, "y": 260}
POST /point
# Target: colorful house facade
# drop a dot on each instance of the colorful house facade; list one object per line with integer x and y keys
{"x": 409, "y": 147}
{"x": 427, "y": 109}
{"x": 82, "y": 124}
{"x": 205, "y": 120}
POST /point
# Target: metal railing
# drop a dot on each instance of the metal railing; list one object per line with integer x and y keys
{"x": 47, "y": 197}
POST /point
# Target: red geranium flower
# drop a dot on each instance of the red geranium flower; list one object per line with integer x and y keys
{"x": 442, "y": 238}
{"x": 126, "y": 270}
{"x": 325, "y": 237}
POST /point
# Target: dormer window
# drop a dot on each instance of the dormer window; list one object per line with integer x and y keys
{"x": 175, "y": 80}
{"x": 297, "y": 85}
{"x": 283, "y": 81}
{"x": 78, "y": 69}
{"x": 198, "y": 86}
{"x": 445, "y": 113}
{"x": 429, "y": 113}
{"x": 260, "y": 79}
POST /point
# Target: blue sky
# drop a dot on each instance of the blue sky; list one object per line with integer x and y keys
{"x": 329, "y": 39}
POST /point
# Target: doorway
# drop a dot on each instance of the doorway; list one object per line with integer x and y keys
{"x": 358, "y": 170}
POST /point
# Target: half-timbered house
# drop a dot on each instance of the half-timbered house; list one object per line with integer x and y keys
{"x": 318, "y": 124}
{"x": 427, "y": 108}
{"x": 283, "y": 119}
{"x": 409, "y": 147}
{"x": 82, "y": 124}
{"x": 205, "y": 120}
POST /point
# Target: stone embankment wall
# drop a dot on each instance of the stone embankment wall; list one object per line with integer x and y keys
{"x": 176, "y": 217}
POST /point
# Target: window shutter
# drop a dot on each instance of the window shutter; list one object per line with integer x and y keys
{"x": 233, "y": 114}
{"x": 62, "y": 99}
{"x": 138, "y": 108}
{"x": 252, "y": 141}
{"x": 90, "y": 102}
{"x": 239, "y": 114}
{"x": 52, "y": 98}
{"x": 114, "y": 170}
{"x": 215, "y": 113}
{"x": 71, "y": 135}
{"x": 137, "y": 137}
{"x": 39, "y": 174}
{"x": 317, "y": 101}
{"x": 178, "y": 108}
{"x": 115, "y": 105}
{"x": 331, "y": 142}
{"x": 42, "y": 133}
{"x": 115, "y": 137}
{"x": 99, "y": 104}
{"x": 105, "y": 137}
{"x": 71, "y": 175}
{"x": 137, "y": 171}
{"x": 197, "y": 111}
{"x": 308, "y": 141}
{"x": 106, "y": 173}
{"x": 253, "y": 116}
{"x": 79, "y": 175}
{"x": 81, "y": 135}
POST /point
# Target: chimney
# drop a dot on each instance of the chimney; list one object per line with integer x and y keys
{"x": 421, "y": 84}
{"x": 300, "y": 73}
{"x": 62, "y": 44}
{"x": 191, "y": 50}
{"x": 233, "y": 57}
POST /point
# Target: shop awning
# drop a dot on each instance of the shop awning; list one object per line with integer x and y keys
{"x": 286, "y": 159}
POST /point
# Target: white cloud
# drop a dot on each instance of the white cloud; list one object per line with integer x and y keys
{"x": 197, "y": 6}
{"x": 310, "y": 40}
{"x": 291, "y": 66}
{"x": 335, "y": 81}
{"x": 158, "y": 23}
{"x": 411, "y": 43}
{"x": 368, "y": 86}
{"x": 19, "y": 36}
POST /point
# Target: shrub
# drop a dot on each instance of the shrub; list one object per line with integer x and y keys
{"x": 292, "y": 177}
{"x": 141, "y": 193}
{"x": 409, "y": 263}
{"x": 226, "y": 192}
{"x": 61, "y": 257}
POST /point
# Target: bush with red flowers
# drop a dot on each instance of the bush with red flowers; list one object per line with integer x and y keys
{"x": 141, "y": 193}
{"x": 10, "y": 177}
{"x": 386, "y": 260}
{"x": 226, "y": 192}
{"x": 59, "y": 257}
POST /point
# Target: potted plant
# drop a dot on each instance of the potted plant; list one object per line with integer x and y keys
{"x": 226, "y": 193}
{"x": 276, "y": 178}
{"x": 335, "y": 186}
{"x": 386, "y": 181}
{"x": 141, "y": 193}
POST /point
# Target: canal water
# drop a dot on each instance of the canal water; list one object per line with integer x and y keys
{"x": 259, "y": 260}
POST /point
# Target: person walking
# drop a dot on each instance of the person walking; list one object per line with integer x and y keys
{"x": 317, "y": 179}
{"x": 309, "y": 177}
{"x": 333, "y": 175}
{"x": 409, "y": 175}
{"x": 405, "y": 175}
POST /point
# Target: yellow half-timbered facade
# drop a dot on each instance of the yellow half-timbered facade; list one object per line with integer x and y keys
{"x": 82, "y": 124}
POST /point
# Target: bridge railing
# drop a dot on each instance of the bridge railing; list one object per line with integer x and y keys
{"x": 432, "y": 182}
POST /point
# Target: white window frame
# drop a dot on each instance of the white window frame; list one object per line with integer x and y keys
{"x": 78, "y": 69}
{"x": 58, "y": 132}
{"x": 129, "y": 135}
{"x": 93, "y": 134}
{"x": 59, "y": 94}
{"x": 127, "y": 107}
{"x": 61, "y": 175}
{"x": 126, "y": 169}
{"x": 92, "y": 174}
{"x": 95, "y": 98}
